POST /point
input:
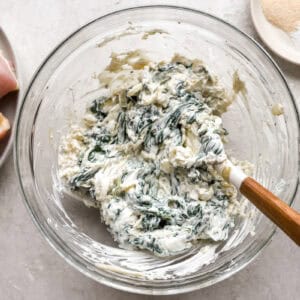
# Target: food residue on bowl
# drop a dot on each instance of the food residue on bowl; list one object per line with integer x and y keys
{"x": 238, "y": 86}
{"x": 277, "y": 109}
{"x": 131, "y": 30}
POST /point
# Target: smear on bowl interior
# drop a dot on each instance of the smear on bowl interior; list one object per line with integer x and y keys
{"x": 145, "y": 153}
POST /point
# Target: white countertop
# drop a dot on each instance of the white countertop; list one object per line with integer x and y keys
{"x": 30, "y": 269}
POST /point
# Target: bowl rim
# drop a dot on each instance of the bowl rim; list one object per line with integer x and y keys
{"x": 77, "y": 263}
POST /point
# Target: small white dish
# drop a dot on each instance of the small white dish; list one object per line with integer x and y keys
{"x": 9, "y": 103}
{"x": 276, "y": 39}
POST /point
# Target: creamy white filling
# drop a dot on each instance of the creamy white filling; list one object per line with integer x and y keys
{"x": 146, "y": 153}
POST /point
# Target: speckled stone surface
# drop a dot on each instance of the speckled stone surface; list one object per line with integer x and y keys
{"x": 30, "y": 269}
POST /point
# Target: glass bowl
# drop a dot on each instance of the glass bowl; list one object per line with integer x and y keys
{"x": 67, "y": 81}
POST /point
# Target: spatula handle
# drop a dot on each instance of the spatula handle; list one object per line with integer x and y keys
{"x": 275, "y": 209}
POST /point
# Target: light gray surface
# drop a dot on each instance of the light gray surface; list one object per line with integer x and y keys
{"x": 30, "y": 269}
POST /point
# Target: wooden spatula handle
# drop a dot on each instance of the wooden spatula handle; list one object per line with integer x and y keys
{"x": 278, "y": 211}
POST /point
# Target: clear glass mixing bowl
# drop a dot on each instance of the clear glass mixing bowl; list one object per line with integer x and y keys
{"x": 66, "y": 82}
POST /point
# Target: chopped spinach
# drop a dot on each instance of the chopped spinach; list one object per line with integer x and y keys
{"x": 150, "y": 195}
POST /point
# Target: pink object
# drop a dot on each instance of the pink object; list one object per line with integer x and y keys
{"x": 8, "y": 80}
{"x": 4, "y": 126}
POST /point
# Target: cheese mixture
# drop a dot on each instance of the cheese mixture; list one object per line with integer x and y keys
{"x": 145, "y": 154}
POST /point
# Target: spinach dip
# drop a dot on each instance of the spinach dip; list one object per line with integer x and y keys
{"x": 145, "y": 153}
